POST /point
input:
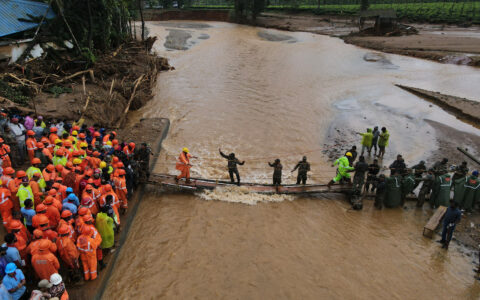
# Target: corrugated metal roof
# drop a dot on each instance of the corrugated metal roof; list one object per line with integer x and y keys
{"x": 12, "y": 10}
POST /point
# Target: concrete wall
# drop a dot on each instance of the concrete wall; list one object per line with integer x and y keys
{"x": 200, "y": 14}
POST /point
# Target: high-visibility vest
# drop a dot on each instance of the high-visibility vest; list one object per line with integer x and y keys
{"x": 32, "y": 170}
{"x": 59, "y": 160}
{"x": 24, "y": 193}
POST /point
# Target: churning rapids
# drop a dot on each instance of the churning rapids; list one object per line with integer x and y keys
{"x": 265, "y": 94}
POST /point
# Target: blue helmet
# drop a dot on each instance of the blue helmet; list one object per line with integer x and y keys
{"x": 10, "y": 268}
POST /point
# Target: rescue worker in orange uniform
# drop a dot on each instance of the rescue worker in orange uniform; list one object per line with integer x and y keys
{"x": 91, "y": 193}
{"x": 57, "y": 202}
{"x": 67, "y": 249}
{"x": 129, "y": 150}
{"x": 183, "y": 165}
{"x": 41, "y": 216}
{"x": 53, "y": 135}
{"x": 96, "y": 135}
{"x": 16, "y": 227}
{"x": 47, "y": 145}
{"x": 89, "y": 221}
{"x": 47, "y": 232}
{"x": 115, "y": 202}
{"x": 49, "y": 175}
{"x": 31, "y": 144}
{"x": 5, "y": 154}
{"x": 6, "y": 204}
{"x": 87, "y": 248}
{"x": 45, "y": 151}
{"x": 121, "y": 189}
{"x": 37, "y": 237}
{"x": 44, "y": 262}
{"x": 36, "y": 190}
{"x": 67, "y": 220}
{"x": 52, "y": 213}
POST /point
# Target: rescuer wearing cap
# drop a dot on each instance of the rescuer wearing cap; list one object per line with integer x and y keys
{"x": 31, "y": 144}
{"x": 232, "y": 165}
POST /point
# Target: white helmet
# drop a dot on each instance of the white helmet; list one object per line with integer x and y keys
{"x": 55, "y": 279}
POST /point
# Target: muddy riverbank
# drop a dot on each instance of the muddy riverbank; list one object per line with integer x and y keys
{"x": 437, "y": 42}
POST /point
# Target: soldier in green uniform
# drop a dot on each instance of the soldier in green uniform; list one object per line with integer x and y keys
{"x": 419, "y": 169}
{"x": 359, "y": 178}
{"x": 277, "y": 172}
{"x": 426, "y": 188}
{"x": 303, "y": 167}
{"x": 461, "y": 171}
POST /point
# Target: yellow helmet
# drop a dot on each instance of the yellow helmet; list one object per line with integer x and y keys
{"x": 74, "y": 132}
{"x": 77, "y": 161}
{"x": 58, "y": 141}
{"x": 83, "y": 145}
{"x": 109, "y": 143}
{"x": 185, "y": 149}
{"x": 103, "y": 164}
{"x": 1, "y": 182}
{"x": 348, "y": 154}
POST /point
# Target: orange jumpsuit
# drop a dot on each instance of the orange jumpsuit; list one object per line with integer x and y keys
{"x": 5, "y": 156}
{"x": 121, "y": 190}
{"x": 68, "y": 251}
{"x": 39, "y": 219}
{"x": 45, "y": 263}
{"x": 34, "y": 246}
{"x": 31, "y": 147}
{"x": 21, "y": 244}
{"x": 183, "y": 165}
{"x": 88, "y": 255}
{"x": 53, "y": 215}
{"x": 6, "y": 205}
{"x": 37, "y": 192}
{"x": 50, "y": 234}
{"x": 47, "y": 153}
{"x": 49, "y": 176}
{"x": 72, "y": 234}
{"x": 13, "y": 187}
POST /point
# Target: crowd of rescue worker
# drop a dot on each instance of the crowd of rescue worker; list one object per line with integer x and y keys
{"x": 63, "y": 188}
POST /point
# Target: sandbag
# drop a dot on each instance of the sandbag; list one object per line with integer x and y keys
{"x": 441, "y": 191}
{"x": 393, "y": 197}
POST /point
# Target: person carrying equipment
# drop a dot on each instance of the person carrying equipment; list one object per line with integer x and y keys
{"x": 277, "y": 172}
{"x": 343, "y": 169}
{"x": 183, "y": 165}
{"x": 232, "y": 165}
{"x": 303, "y": 168}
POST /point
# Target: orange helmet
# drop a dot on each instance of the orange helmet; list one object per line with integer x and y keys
{"x": 82, "y": 211}
{"x": 120, "y": 165}
{"x": 38, "y": 234}
{"x": 76, "y": 127}
{"x": 35, "y": 161}
{"x": 82, "y": 135}
{"x": 53, "y": 129}
{"x": 40, "y": 145}
{"x": 86, "y": 230}
{"x": 96, "y": 134}
{"x": 8, "y": 171}
{"x": 52, "y": 192}
{"x": 51, "y": 167}
{"x": 59, "y": 152}
{"x": 30, "y": 133}
{"x": 48, "y": 200}
{"x": 69, "y": 164}
{"x": 41, "y": 207}
{"x": 59, "y": 168}
{"x": 15, "y": 224}
{"x": 66, "y": 213}
{"x": 115, "y": 142}
{"x": 131, "y": 145}
{"x": 21, "y": 174}
{"x": 63, "y": 230}
{"x": 42, "y": 220}
{"x": 121, "y": 172}
{"x": 108, "y": 188}
{"x": 67, "y": 143}
{"x": 87, "y": 218}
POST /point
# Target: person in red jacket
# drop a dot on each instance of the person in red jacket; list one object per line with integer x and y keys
{"x": 44, "y": 262}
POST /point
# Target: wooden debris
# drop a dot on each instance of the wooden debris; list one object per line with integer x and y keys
{"x": 434, "y": 221}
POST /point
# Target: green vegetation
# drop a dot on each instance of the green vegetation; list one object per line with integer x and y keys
{"x": 57, "y": 90}
{"x": 412, "y": 10}
{"x": 16, "y": 94}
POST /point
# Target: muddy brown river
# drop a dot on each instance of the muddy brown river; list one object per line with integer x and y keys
{"x": 265, "y": 94}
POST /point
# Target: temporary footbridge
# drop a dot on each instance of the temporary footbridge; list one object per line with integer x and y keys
{"x": 209, "y": 184}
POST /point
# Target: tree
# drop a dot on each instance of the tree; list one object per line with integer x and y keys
{"x": 364, "y": 5}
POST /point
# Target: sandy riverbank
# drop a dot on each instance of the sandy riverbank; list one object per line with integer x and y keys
{"x": 437, "y": 42}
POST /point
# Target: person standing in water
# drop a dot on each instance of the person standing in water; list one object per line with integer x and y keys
{"x": 303, "y": 167}
{"x": 232, "y": 165}
{"x": 277, "y": 172}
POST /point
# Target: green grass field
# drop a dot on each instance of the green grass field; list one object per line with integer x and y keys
{"x": 436, "y": 12}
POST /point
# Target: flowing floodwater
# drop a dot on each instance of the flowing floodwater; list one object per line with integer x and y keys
{"x": 265, "y": 94}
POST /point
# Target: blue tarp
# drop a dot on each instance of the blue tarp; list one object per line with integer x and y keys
{"x": 12, "y": 10}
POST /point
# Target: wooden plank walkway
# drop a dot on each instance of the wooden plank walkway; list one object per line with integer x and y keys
{"x": 208, "y": 184}
{"x": 434, "y": 221}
